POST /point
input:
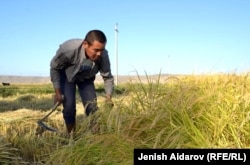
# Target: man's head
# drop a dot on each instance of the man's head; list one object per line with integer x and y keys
{"x": 94, "y": 44}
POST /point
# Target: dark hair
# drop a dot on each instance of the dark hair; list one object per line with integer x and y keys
{"x": 95, "y": 35}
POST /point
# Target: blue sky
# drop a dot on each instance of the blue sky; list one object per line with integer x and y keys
{"x": 167, "y": 36}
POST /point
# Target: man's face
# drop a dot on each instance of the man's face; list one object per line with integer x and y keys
{"x": 94, "y": 51}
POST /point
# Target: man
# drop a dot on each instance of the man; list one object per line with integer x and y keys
{"x": 76, "y": 64}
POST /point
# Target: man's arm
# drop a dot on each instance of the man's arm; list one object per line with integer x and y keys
{"x": 56, "y": 65}
{"x": 107, "y": 76}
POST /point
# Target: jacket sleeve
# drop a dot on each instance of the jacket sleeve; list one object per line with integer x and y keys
{"x": 58, "y": 62}
{"x": 106, "y": 74}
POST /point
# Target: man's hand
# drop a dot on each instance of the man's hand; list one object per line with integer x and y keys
{"x": 58, "y": 96}
{"x": 108, "y": 101}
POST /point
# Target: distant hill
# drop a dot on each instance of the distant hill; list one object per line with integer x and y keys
{"x": 44, "y": 80}
{"x": 24, "y": 79}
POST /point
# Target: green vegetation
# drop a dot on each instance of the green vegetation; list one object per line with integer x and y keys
{"x": 17, "y": 89}
{"x": 196, "y": 111}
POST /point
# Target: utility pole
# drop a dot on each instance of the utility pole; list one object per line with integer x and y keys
{"x": 116, "y": 51}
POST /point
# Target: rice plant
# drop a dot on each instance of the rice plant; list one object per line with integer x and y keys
{"x": 194, "y": 111}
